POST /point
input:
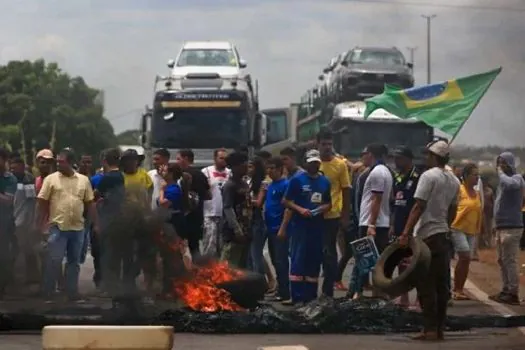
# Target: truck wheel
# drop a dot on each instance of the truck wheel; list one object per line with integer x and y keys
{"x": 388, "y": 261}
{"x": 248, "y": 290}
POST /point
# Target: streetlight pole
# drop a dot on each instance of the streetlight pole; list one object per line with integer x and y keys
{"x": 429, "y": 20}
{"x": 412, "y": 51}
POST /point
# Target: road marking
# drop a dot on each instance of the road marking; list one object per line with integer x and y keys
{"x": 484, "y": 298}
{"x": 283, "y": 347}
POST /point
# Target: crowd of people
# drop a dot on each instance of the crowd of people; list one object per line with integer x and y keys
{"x": 232, "y": 209}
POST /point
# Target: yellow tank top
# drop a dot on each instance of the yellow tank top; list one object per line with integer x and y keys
{"x": 469, "y": 214}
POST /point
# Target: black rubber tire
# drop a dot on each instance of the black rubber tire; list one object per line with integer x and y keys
{"x": 248, "y": 290}
{"x": 390, "y": 259}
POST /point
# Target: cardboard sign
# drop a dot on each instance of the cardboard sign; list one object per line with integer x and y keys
{"x": 365, "y": 253}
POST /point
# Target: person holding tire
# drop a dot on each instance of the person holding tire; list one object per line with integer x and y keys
{"x": 405, "y": 184}
{"x": 465, "y": 227}
{"x": 430, "y": 218}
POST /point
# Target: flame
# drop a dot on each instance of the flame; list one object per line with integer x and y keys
{"x": 201, "y": 293}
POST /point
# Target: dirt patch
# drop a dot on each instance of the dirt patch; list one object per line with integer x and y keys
{"x": 485, "y": 273}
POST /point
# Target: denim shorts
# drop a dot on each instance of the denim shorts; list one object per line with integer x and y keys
{"x": 462, "y": 242}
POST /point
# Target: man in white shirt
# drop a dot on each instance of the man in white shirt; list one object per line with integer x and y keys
{"x": 374, "y": 212}
{"x": 217, "y": 176}
{"x": 161, "y": 157}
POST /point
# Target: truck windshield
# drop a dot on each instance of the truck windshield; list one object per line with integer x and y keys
{"x": 378, "y": 57}
{"x": 207, "y": 57}
{"x": 393, "y": 134}
{"x": 199, "y": 128}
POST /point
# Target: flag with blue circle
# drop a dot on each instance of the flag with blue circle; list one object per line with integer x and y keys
{"x": 445, "y": 106}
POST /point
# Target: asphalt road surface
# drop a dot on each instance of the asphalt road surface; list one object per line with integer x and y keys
{"x": 500, "y": 338}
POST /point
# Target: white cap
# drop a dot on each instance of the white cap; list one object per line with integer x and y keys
{"x": 439, "y": 148}
{"x": 313, "y": 155}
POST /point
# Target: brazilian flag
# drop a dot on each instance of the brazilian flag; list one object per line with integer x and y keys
{"x": 445, "y": 106}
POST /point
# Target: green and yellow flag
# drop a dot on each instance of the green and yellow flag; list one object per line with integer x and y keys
{"x": 445, "y": 106}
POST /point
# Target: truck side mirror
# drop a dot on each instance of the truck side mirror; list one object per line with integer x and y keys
{"x": 410, "y": 65}
{"x": 242, "y": 63}
{"x": 171, "y": 64}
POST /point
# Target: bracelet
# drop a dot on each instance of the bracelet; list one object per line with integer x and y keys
{"x": 372, "y": 226}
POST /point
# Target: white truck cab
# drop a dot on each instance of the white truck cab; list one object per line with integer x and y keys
{"x": 196, "y": 57}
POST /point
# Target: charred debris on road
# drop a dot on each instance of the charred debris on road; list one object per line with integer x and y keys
{"x": 341, "y": 316}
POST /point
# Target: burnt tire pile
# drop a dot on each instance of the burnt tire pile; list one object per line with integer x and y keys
{"x": 340, "y": 316}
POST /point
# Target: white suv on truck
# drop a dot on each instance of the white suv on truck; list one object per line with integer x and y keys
{"x": 219, "y": 57}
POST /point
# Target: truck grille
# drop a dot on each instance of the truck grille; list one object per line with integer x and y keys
{"x": 387, "y": 78}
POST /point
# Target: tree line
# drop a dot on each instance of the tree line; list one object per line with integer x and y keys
{"x": 42, "y": 106}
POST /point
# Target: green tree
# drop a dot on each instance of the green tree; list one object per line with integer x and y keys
{"x": 42, "y": 106}
{"x": 128, "y": 137}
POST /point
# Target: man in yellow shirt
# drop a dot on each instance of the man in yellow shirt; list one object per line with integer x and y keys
{"x": 336, "y": 170}
{"x": 139, "y": 190}
{"x": 64, "y": 197}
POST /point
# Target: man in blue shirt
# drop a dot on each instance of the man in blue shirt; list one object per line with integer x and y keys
{"x": 308, "y": 196}
{"x": 273, "y": 217}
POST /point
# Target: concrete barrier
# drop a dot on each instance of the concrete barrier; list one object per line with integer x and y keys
{"x": 107, "y": 337}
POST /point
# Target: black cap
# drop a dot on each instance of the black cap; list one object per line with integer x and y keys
{"x": 404, "y": 152}
{"x": 131, "y": 153}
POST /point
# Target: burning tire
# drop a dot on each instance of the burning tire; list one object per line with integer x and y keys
{"x": 247, "y": 290}
{"x": 390, "y": 259}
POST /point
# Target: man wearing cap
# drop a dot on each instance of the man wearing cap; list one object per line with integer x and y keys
{"x": 45, "y": 162}
{"x": 309, "y": 197}
{"x": 336, "y": 170}
{"x": 434, "y": 210}
{"x": 405, "y": 183}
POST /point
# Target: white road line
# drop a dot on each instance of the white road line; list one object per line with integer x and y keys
{"x": 484, "y": 298}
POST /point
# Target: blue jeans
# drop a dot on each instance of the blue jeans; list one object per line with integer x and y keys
{"x": 60, "y": 244}
{"x": 259, "y": 237}
{"x": 85, "y": 244}
{"x": 281, "y": 263}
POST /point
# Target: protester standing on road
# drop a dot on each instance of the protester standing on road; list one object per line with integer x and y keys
{"x": 237, "y": 207}
{"x": 374, "y": 219}
{"x": 273, "y": 217}
{"x": 309, "y": 197}
{"x": 217, "y": 176}
{"x": 139, "y": 189}
{"x": 352, "y": 232}
{"x": 406, "y": 180}
{"x": 64, "y": 197}
{"x": 430, "y": 218}
{"x": 258, "y": 187}
{"x": 8, "y": 186}
{"x": 509, "y": 227}
{"x": 24, "y": 212}
{"x": 337, "y": 218}
{"x": 465, "y": 227}
{"x": 161, "y": 158}
{"x": 200, "y": 191}
{"x": 116, "y": 243}
{"x": 171, "y": 197}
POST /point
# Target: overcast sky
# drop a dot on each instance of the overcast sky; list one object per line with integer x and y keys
{"x": 119, "y": 46}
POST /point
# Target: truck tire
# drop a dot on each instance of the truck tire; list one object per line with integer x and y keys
{"x": 390, "y": 259}
{"x": 248, "y": 290}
